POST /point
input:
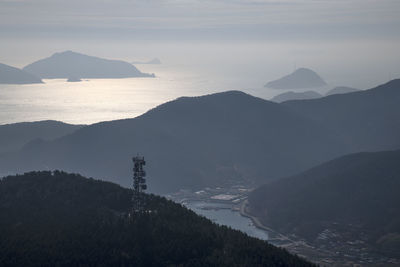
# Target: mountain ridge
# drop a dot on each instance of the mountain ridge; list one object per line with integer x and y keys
{"x": 194, "y": 142}
{"x": 365, "y": 116}
{"x": 223, "y": 138}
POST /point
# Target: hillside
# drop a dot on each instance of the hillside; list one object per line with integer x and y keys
{"x": 295, "y": 96}
{"x": 71, "y": 64}
{"x": 365, "y": 120}
{"x": 300, "y": 78}
{"x": 11, "y": 75}
{"x": 351, "y": 199}
{"x": 191, "y": 142}
{"x": 14, "y": 136}
{"x": 60, "y": 219}
{"x": 195, "y": 142}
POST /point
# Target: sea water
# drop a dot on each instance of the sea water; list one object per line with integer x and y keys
{"x": 95, "y": 100}
{"x": 226, "y": 216}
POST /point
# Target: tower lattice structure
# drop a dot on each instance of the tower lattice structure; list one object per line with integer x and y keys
{"x": 139, "y": 184}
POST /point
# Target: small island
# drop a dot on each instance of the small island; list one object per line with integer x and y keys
{"x": 299, "y": 79}
{"x": 73, "y": 79}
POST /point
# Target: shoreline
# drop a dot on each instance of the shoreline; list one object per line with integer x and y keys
{"x": 257, "y": 223}
{"x": 255, "y": 220}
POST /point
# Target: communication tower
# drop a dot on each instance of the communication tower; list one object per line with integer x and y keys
{"x": 139, "y": 184}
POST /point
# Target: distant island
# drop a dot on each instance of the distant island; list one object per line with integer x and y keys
{"x": 295, "y": 96}
{"x": 71, "y": 64}
{"x": 11, "y": 75}
{"x": 73, "y": 79}
{"x": 154, "y": 61}
{"x": 299, "y": 79}
{"x": 341, "y": 90}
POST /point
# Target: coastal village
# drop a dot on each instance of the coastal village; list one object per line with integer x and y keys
{"x": 330, "y": 249}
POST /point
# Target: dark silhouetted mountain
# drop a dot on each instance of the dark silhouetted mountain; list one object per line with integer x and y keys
{"x": 210, "y": 140}
{"x": 70, "y": 64}
{"x": 153, "y": 61}
{"x": 341, "y": 90}
{"x": 366, "y": 120}
{"x": 190, "y": 143}
{"x": 300, "y": 78}
{"x": 14, "y": 136}
{"x": 60, "y": 219}
{"x": 356, "y": 195}
{"x": 11, "y": 75}
{"x": 295, "y": 96}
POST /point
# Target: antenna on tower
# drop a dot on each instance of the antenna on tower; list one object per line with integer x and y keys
{"x": 139, "y": 184}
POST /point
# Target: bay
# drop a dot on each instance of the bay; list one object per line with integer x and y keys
{"x": 224, "y": 215}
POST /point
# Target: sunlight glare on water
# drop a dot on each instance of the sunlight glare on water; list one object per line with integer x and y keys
{"x": 193, "y": 70}
{"x": 96, "y": 100}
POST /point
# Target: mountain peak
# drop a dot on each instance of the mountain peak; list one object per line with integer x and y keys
{"x": 305, "y": 70}
{"x": 66, "y": 52}
{"x": 300, "y": 78}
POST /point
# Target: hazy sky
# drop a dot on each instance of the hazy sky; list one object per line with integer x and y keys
{"x": 353, "y": 42}
{"x": 200, "y": 19}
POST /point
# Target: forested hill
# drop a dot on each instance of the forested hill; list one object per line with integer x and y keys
{"x": 358, "y": 193}
{"x": 60, "y": 219}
